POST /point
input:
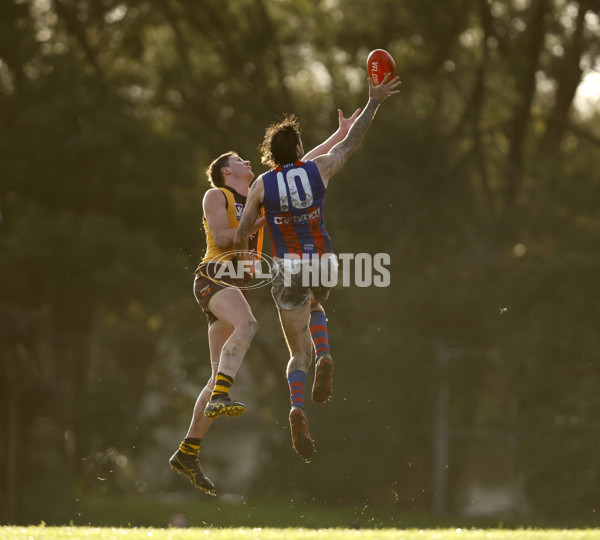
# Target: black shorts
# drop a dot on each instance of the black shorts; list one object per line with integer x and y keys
{"x": 293, "y": 291}
{"x": 206, "y": 286}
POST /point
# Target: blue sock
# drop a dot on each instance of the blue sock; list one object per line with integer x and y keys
{"x": 297, "y": 380}
{"x": 318, "y": 332}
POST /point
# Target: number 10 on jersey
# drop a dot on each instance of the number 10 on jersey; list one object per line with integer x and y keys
{"x": 292, "y": 177}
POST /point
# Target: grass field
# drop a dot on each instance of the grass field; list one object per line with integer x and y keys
{"x": 106, "y": 533}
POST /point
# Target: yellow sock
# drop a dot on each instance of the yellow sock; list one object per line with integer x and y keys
{"x": 222, "y": 386}
{"x": 190, "y": 446}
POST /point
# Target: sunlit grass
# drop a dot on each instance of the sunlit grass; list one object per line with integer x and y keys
{"x": 93, "y": 533}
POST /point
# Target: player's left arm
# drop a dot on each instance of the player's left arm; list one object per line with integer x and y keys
{"x": 248, "y": 221}
{"x": 344, "y": 125}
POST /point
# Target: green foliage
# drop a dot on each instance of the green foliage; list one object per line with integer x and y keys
{"x": 478, "y": 180}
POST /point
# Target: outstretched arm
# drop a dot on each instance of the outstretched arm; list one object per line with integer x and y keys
{"x": 248, "y": 222}
{"x": 344, "y": 125}
{"x": 335, "y": 159}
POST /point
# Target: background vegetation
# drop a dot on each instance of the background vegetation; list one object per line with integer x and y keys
{"x": 468, "y": 387}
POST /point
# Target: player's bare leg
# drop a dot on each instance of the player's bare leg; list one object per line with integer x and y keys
{"x": 323, "y": 382}
{"x": 295, "y": 328}
{"x": 186, "y": 460}
{"x": 230, "y": 307}
{"x": 218, "y": 334}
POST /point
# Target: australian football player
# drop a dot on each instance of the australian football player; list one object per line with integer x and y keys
{"x": 292, "y": 195}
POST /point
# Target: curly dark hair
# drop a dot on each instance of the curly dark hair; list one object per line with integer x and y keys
{"x": 214, "y": 173}
{"x": 280, "y": 141}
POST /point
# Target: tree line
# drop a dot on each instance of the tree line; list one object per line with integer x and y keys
{"x": 478, "y": 181}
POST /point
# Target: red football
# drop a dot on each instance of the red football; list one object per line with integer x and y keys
{"x": 379, "y": 64}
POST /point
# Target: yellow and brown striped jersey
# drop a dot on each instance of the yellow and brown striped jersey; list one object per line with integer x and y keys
{"x": 235, "y": 204}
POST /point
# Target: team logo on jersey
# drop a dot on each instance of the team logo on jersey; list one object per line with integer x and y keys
{"x": 239, "y": 209}
{"x": 205, "y": 291}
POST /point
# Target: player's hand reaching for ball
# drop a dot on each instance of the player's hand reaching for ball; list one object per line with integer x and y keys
{"x": 384, "y": 90}
{"x": 346, "y": 123}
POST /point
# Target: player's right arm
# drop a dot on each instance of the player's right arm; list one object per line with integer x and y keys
{"x": 335, "y": 159}
{"x": 214, "y": 205}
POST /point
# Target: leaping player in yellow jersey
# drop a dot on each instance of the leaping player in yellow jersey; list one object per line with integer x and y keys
{"x": 231, "y": 324}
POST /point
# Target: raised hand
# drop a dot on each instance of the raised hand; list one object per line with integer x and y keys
{"x": 346, "y": 123}
{"x": 385, "y": 89}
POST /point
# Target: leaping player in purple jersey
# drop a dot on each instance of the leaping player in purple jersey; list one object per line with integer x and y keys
{"x": 292, "y": 194}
